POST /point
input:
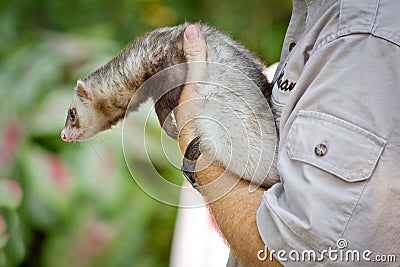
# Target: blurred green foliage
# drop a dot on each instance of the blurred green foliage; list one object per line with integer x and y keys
{"x": 76, "y": 204}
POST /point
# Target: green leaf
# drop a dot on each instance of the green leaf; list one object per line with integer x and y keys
{"x": 10, "y": 194}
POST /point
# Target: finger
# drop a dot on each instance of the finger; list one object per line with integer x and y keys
{"x": 195, "y": 50}
{"x": 194, "y": 44}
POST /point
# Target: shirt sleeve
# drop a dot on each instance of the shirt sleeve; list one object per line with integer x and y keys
{"x": 338, "y": 155}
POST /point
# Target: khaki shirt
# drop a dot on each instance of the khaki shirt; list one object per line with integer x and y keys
{"x": 338, "y": 96}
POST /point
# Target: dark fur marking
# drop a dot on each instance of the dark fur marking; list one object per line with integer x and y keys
{"x": 165, "y": 105}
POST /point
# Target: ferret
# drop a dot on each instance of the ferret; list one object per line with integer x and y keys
{"x": 235, "y": 124}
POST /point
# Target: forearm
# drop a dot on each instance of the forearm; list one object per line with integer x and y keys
{"x": 234, "y": 212}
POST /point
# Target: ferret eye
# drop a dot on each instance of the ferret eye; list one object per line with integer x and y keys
{"x": 72, "y": 114}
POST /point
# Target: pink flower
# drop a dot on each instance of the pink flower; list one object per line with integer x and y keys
{"x": 59, "y": 173}
{"x": 10, "y": 193}
{"x": 9, "y": 144}
{"x": 3, "y": 225}
{"x": 96, "y": 236}
{"x": 15, "y": 190}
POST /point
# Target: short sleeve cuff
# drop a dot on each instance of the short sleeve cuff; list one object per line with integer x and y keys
{"x": 277, "y": 236}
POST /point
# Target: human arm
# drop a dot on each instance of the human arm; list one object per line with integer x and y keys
{"x": 235, "y": 212}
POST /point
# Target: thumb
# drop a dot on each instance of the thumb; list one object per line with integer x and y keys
{"x": 195, "y": 50}
{"x": 194, "y": 45}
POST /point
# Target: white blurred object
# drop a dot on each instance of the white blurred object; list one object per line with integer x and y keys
{"x": 270, "y": 71}
{"x": 196, "y": 242}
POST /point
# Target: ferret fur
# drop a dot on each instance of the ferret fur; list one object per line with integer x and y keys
{"x": 246, "y": 145}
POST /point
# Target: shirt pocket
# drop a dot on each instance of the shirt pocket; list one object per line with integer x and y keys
{"x": 334, "y": 145}
{"x": 340, "y": 157}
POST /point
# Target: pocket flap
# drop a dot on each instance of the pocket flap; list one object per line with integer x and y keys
{"x": 334, "y": 145}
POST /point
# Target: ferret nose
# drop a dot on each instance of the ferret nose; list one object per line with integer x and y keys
{"x": 64, "y": 136}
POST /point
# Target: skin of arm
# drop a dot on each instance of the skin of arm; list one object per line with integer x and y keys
{"x": 235, "y": 212}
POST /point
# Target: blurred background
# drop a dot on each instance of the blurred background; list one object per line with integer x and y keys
{"x": 77, "y": 204}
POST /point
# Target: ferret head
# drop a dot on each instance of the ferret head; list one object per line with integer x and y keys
{"x": 84, "y": 117}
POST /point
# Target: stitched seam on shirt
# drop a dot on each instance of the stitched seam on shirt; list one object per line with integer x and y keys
{"x": 275, "y": 102}
{"x": 365, "y": 22}
{"x": 376, "y": 12}
{"x": 377, "y": 144}
{"x": 386, "y": 35}
{"x": 331, "y": 168}
{"x": 371, "y": 157}
{"x": 344, "y": 124}
{"x": 290, "y": 228}
{"x": 265, "y": 201}
{"x": 333, "y": 36}
{"x": 354, "y": 209}
{"x": 336, "y": 170}
{"x": 326, "y": 40}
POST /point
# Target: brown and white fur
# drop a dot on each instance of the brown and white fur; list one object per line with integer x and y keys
{"x": 101, "y": 99}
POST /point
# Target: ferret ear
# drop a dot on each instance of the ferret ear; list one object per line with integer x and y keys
{"x": 83, "y": 92}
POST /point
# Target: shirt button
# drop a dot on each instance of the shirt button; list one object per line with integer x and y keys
{"x": 320, "y": 150}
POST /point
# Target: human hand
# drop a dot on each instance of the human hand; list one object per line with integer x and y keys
{"x": 195, "y": 50}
